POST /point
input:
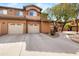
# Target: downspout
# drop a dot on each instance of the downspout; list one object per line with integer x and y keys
{"x": 40, "y": 23}
{"x": 26, "y": 27}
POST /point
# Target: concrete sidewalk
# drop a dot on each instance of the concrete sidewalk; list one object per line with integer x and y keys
{"x": 18, "y": 49}
{"x": 13, "y": 49}
{"x": 11, "y": 45}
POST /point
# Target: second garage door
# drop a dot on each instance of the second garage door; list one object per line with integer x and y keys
{"x": 33, "y": 28}
{"x": 15, "y": 28}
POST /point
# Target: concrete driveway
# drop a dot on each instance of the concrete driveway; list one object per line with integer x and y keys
{"x": 37, "y": 44}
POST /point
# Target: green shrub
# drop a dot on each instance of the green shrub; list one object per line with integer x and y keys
{"x": 67, "y": 26}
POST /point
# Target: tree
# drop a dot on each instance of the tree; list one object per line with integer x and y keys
{"x": 65, "y": 10}
{"x": 50, "y": 14}
{"x": 44, "y": 16}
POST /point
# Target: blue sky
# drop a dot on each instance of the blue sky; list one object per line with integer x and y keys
{"x": 20, "y": 5}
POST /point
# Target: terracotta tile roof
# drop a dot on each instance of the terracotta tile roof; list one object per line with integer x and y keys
{"x": 16, "y": 17}
{"x": 10, "y": 7}
{"x": 11, "y": 17}
{"x": 20, "y": 18}
{"x": 21, "y": 8}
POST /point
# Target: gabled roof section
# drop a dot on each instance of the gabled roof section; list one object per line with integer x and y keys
{"x": 33, "y": 6}
{"x": 20, "y": 8}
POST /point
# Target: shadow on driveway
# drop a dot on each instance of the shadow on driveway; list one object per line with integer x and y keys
{"x": 45, "y": 43}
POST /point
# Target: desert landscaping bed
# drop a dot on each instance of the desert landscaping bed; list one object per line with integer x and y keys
{"x": 74, "y": 37}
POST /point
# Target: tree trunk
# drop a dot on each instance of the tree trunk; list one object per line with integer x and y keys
{"x": 63, "y": 25}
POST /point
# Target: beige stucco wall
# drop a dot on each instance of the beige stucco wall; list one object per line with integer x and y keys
{"x": 4, "y": 25}
{"x": 11, "y": 11}
{"x": 33, "y": 8}
{"x": 27, "y": 10}
{"x": 45, "y": 27}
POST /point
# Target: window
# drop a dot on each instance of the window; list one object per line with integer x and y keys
{"x": 17, "y": 14}
{"x": 32, "y": 13}
{"x": 20, "y": 13}
{"x": 3, "y": 11}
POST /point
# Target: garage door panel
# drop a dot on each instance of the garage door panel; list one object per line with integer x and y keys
{"x": 33, "y": 28}
{"x": 15, "y": 28}
{"x": 11, "y": 28}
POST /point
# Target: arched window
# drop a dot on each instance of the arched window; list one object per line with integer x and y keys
{"x": 32, "y": 13}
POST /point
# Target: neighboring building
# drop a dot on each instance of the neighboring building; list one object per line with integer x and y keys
{"x": 19, "y": 21}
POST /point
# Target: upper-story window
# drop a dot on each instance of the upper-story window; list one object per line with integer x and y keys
{"x": 32, "y": 13}
{"x": 3, "y": 11}
{"x": 20, "y": 13}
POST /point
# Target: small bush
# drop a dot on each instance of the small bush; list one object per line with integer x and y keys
{"x": 67, "y": 26}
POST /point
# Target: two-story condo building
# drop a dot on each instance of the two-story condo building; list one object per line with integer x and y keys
{"x": 19, "y": 21}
